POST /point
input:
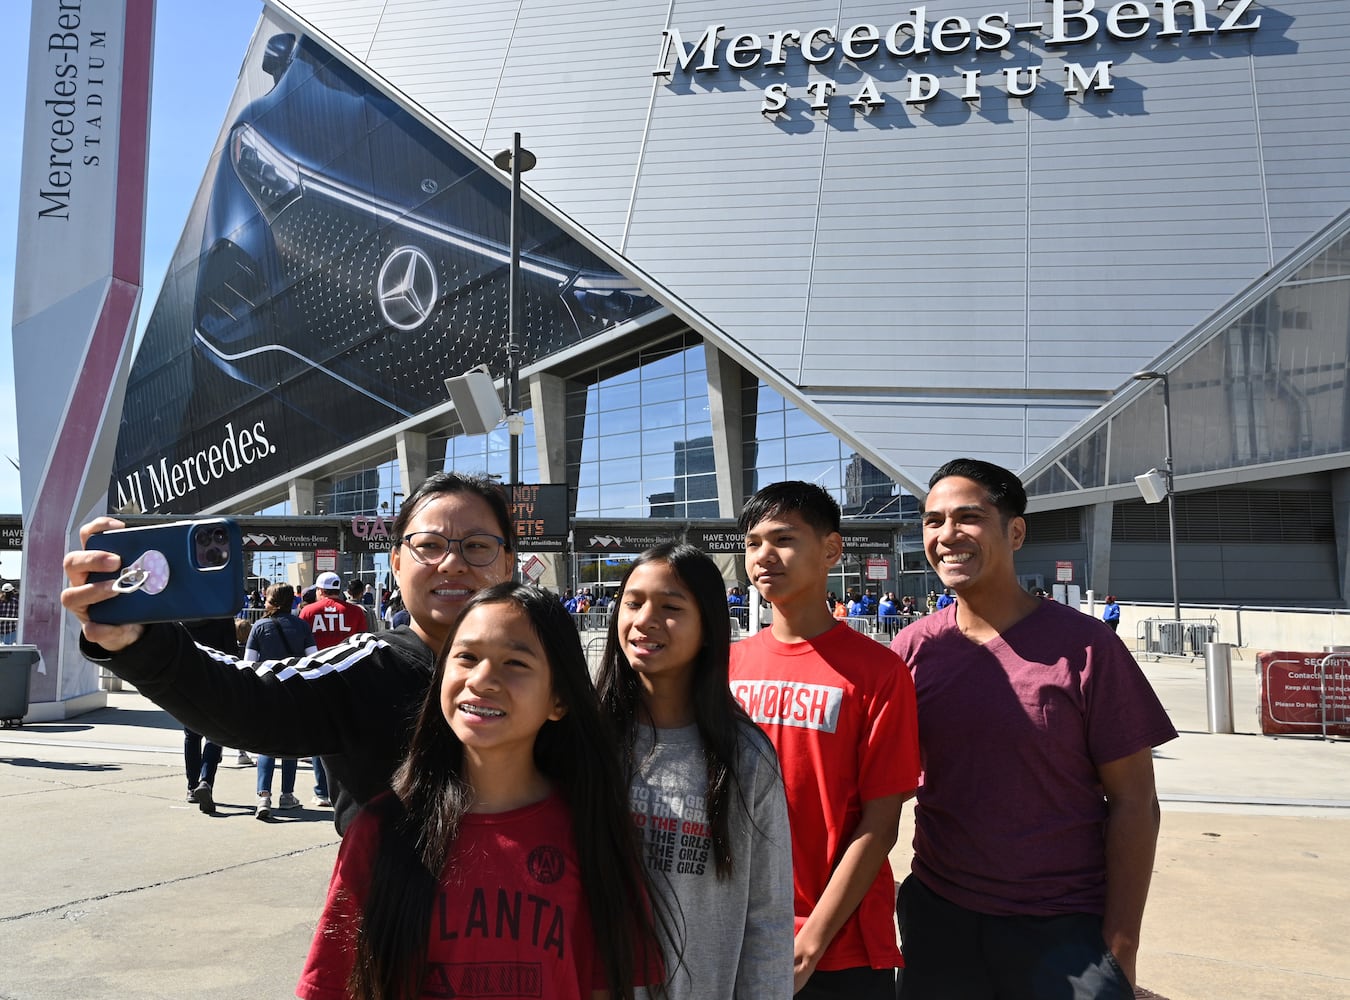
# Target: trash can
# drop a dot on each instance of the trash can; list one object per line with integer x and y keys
{"x": 1197, "y": 636}
{"x": 16, "y": 665}
{"x": 1171, "y": 638}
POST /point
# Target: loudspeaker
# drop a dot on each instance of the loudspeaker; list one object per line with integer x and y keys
{"x": 476, "y": 402}
{"x": 1152, "y": 486}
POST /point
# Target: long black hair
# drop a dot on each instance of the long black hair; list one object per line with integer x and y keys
{"x": 420, "y": 821}
{"x": 716, "y": 712}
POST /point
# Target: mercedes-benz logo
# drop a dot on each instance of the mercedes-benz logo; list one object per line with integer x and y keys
{"x": 407, "y": 288}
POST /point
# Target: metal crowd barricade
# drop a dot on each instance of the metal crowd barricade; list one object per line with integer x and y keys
{"x": 865, "y": 624}
{"x": 591, "y": 621}
{"x": 1161, "y": 637}
{"x": 1333, "y": 687}
{"x": 891, "y": 624}
{"x": 595, "y": 652}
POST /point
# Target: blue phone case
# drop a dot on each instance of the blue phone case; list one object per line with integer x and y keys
{"x": 170, "y": 574}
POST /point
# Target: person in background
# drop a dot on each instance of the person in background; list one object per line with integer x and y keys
{"x": 1111, "y": 613}
{"x": 839, "y": 709}
{"x": 243, "y": 628}
{"x": 945, "y": 599}
{"x": 395, "y": 614}
{"x": 280, "y": 635}
{"x": 357, "y": 592}
{"x": 201, "y": 757}
{"x": 887, "y": 614}
{"x": 701, "y": 776}
{"x": 1029, "y": 881}
{"x": 9, "y": 614}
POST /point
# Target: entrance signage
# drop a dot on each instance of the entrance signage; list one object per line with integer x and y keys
{"x": 539, "y": 511}
{"x": 621, "y": 539}
{"x": 728, "y": 540}
{"x": 1301, "y": 693}
{"x": 867, "y": 541}
{"x": 917, "y": 37}
{"x": 11, "y": 533}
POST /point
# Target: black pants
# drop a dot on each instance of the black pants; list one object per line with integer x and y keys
{"x": 200, "y": 758}
{"x": 850, "y": 984}
{"x": 952, "y": 953}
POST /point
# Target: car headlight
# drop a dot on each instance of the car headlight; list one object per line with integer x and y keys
{"x": 607, "y": 298}
{"x": 271, "y": 178}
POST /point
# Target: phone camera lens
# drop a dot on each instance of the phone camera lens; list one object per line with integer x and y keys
{"x": 213, "y": 557}
{"x": 219, "y": 537}
{"x": 202, "y": 537}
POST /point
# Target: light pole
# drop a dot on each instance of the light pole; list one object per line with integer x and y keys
{"x": 1152, "y": 376}
{"x": 517, "y": 159}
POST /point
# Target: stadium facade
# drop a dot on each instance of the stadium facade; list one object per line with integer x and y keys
{"x": 839, "y": 242}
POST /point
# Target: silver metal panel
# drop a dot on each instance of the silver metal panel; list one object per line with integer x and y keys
{"x": 1047, "y": 245}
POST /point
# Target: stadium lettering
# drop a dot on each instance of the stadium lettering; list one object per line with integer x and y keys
{"x": 1070, "y": 23}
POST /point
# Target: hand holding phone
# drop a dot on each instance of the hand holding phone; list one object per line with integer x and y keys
{"x": 180, "y": 571}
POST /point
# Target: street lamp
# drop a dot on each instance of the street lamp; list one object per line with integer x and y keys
{"x": 517, "y": 159}
{"x": 1152, "y": 376}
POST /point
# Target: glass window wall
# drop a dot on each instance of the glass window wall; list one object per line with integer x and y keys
{"x": 1269, "y": 387}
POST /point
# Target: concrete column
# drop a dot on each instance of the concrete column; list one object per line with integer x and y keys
{"x": 724, "y": 404}
{"x": 301, "y": 497}
{"x": 1100, "y": 518}
{"x": 412, "y": 460}
{"x": 548, "y": 401}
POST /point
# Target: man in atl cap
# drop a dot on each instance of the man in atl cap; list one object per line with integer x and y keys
{"x": 332, "y": 621}
{"x": 331, "y": 618}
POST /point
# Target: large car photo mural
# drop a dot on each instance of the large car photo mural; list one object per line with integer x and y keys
{"x": 349, "y": 259}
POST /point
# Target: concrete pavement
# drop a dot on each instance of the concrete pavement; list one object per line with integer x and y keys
{"x": 115, "y": 887}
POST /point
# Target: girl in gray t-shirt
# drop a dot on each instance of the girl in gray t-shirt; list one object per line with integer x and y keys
{"x": 705, "y": 788}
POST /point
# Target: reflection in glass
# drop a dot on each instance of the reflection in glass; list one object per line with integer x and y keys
{"x": 1269, "y": 387}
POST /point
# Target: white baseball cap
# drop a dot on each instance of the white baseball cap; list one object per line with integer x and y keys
{"x": 329, "y": 581}
{"x": 7, "y": 588}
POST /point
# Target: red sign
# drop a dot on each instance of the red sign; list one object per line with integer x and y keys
{"x": 877, "y": 568}
{"x": 1063, "y": 572}
{"x": 325, "y": 560}
{"x": 1302, "y": 691}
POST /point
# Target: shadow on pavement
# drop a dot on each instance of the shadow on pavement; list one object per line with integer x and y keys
{"x": 56, "y": 766}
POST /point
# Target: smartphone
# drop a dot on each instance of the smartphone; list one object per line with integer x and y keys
{"x": 180, "y": 571}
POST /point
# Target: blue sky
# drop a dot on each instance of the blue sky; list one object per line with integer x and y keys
{"x": 198, "y": 50}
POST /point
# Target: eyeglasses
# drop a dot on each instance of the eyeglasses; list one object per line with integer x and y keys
{"x": 431, "y": 547}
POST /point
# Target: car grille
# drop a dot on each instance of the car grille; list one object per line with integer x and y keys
{"x": 332, "y": 256}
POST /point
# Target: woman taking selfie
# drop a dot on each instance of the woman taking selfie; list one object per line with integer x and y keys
{"x": 354, "y": 703}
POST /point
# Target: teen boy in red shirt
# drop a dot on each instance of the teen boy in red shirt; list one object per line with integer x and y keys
{"x": 839, "y": 709}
